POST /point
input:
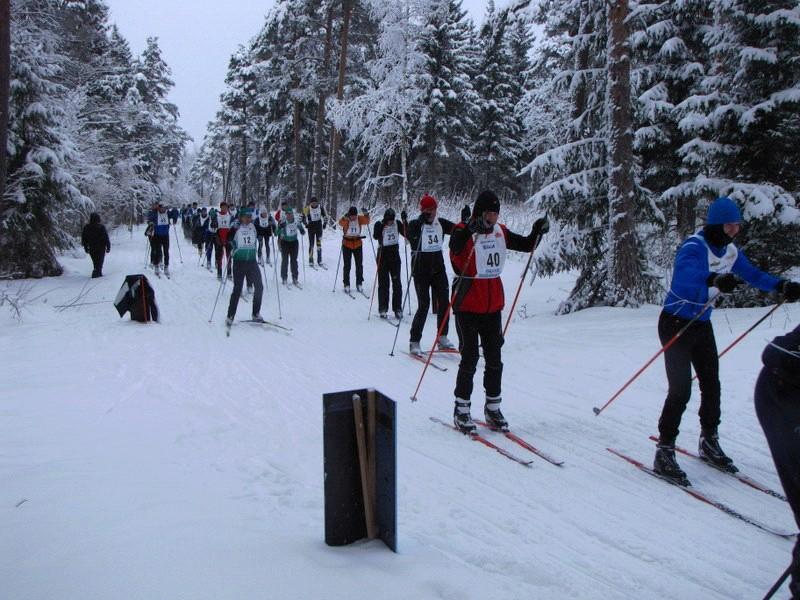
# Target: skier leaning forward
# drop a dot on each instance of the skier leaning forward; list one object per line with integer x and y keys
{"x": 244, "y": 239}
{"x": 706, "y": 262}
{"x": 479, "y": 303}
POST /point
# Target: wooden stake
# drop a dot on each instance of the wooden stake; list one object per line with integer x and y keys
{"x": 366, "y": 496}
{"x": 371, "y": 454}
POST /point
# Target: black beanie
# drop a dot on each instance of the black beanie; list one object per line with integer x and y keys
{"x": 389, "y": 215}
{"x": 487, "y": 201}
{"x": 353, "y": 211}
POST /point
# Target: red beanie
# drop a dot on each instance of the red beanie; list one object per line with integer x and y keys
{"x": 427, "y": 202}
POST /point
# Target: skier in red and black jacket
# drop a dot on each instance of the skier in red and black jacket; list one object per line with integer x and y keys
{"x": 478, "y": 254}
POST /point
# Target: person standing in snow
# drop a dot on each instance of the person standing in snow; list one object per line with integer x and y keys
{"x": 351, "y": 225}
{"x": 706, "y": 264}
{"x": 94, "y": 240}
{"x": 388, "y": 236}
{"x": 265, "y": 226}
{"x": 199, "y": 224}
{"x": 426, "y": 234}
{"x": 243, "y": 241}
{"x": 777, "y": 402}
{"x": 159, "y": 239}
{"x": 221, "y": 223}
{"x": 314, "y": 217}
{"x": 287, "y": 236}
{"x": 478, "y": 254}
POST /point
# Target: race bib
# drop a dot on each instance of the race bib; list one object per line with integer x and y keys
{"x": 291, "y": 229}
{"x": 390, "y": 237}
{"x": 353, "y": 228}
{"x": 246, "y": 238}
{"x": 490, "y": 254}
{"x": 315, "y": 214}
{"x": 432, "y": 237}
{"x": 162, "y": 219}
{"x": 224, "y": 221}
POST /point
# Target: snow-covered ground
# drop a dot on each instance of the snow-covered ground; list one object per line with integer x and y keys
{"x": 168, "y": 461}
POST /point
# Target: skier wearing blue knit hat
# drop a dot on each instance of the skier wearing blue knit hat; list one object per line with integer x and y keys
{"x": 706, "y": 264}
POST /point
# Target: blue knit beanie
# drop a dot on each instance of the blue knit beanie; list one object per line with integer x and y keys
{"x": 723, "y": 210}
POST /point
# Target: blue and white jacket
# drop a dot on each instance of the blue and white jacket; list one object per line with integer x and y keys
{"x": 695, "y": 261}
{"x": 160, "y": 221}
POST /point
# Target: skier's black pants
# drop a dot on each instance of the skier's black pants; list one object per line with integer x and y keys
{"x": 246, "y": 269}
{"x": 159, "y": 244}
{"x": 208, "y": 240}
{"x": 219, "y": 250}
{"x": 314, "y": 239}
{"x": 389, "y": 268}
{"x": 695, "y": 348}
{"x": 289, "y": 251}
{"x": 486, "y": 330}
{"x": 98, "y": 257}
{"x": 778, "y": 409}
{"x": 423, "y": 282}
{"x": 263, "y": 240}
{"x": 347, "y": 255}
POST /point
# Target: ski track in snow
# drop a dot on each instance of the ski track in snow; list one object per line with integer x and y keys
{"x": 168, "y": 461}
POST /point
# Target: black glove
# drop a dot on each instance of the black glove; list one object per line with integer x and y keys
{"x": 540, "y": 227}
{"x": 465, "y": 213}
{"x": 403, "y": 216}
{"x": 724, "y": 282}
{"x": 475, "y": 226}
{"x": 790, "y": 289}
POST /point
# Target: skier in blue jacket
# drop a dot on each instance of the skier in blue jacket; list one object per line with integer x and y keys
{"x": 706, "y": 264}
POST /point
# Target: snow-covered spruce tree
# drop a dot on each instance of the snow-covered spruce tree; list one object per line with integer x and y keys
{"x": 588, "y": 186}
{"x": 497, "y": 148}
{"x": 442, "y": 142}
{"x": 39, "y": 186}
{"x": 744, "y": 126}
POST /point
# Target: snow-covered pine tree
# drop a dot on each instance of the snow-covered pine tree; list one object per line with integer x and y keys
{"x": 577, "y": 188}
{"x": 497, "y": 148}
{"x": 442, "y": 143}
{"x": 39, "y": 186}
{"x": 744, "y": 125}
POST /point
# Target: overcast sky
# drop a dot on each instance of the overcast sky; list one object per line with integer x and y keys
{"x": 197, "y": 37}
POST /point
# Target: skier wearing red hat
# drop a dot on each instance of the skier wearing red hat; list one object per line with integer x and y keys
{"x": 426, "y": 236}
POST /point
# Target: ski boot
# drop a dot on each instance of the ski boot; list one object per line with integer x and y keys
{"x": 360, "y": 289}
{"x": 494, "y": 417}
{"x": 166, "y": 271}
{"x": 228, "y": 322}
{"x": 462, "y": 419}
{"x": 445, "y": 344}
{"x": 347, "y": 289}
{"x": 710, "y": 451}
{"x": 666, "y": 465}
{"x": 398, "y": 314}
{"x": 382, "y": 314}
{"x": 414, "y": 348}
{"x": 257, "y": 318}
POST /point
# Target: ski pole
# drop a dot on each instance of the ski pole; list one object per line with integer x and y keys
{"x": 405, "y": 249}
{"x": 456, "y": 288}
{"x": 219, "y": 292}
{"x": 178, "y": 242}
{"x": 777, "y": 585}
{"x": 335, "y": 277}
{"x": 374, "y": 285}
{"x": 672, "y": 340}
{"x": 302, "y": 250}
{"x": 521, "y": 281}
{"x": 407, "y": 296}
{"x": 753, "y": 326}
{"x": 275, "y": 268}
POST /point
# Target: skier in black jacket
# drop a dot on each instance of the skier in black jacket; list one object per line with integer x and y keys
{"x": 387, "y": 234}
{"x": 777, "y": 400}
{"x": 94, "y": 239}
{"x": 426, "y": 236}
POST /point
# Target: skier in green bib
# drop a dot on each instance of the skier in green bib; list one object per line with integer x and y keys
{"x": 244, "y": 241}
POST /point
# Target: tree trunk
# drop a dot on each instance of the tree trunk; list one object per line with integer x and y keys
{"x": 335, "y": 135}
{"x": 243, "y": 166}
{"x": 5, "y": 79}
{"x": 316, "y": 174}
{"x": 623, "y": 268}
{"x": 584, "y": 29}
{"x": 298, "y": 179}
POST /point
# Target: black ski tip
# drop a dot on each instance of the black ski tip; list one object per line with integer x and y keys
{"x": 596, "y": 410}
